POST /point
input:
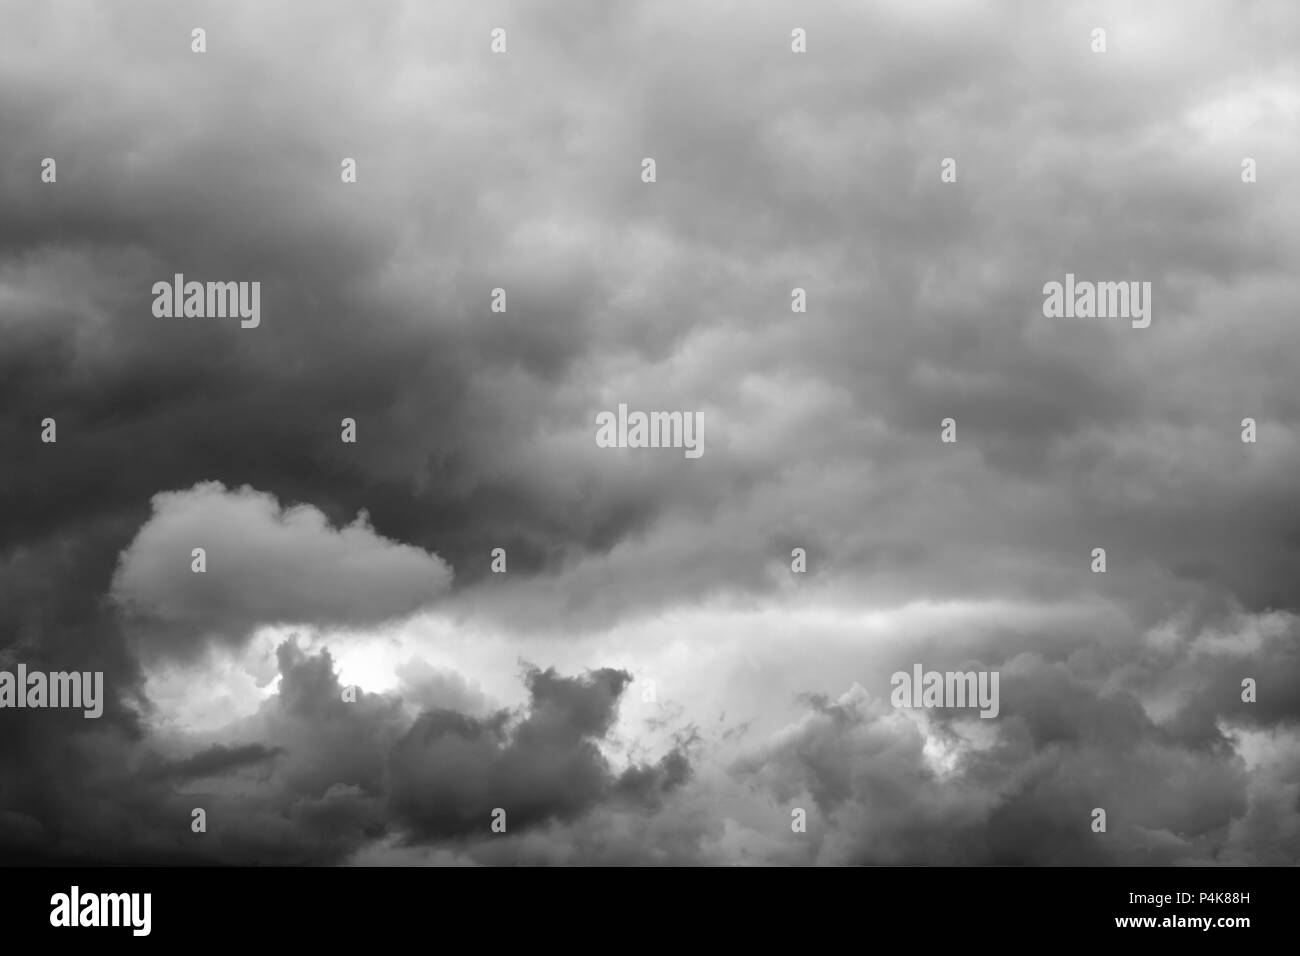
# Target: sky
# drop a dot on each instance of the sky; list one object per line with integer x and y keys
{"x": 650, "y": 681}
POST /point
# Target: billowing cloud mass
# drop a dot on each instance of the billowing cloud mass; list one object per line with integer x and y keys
{"x": 473, "y": 606}
{"x": 261, "y": 564}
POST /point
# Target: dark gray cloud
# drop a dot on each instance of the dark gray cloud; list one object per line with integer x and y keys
{"x": 327, "y": 776}
{"x": 875, "y": 797}
{"x": 450, "y": 771}
{"x": 218, "y": 759}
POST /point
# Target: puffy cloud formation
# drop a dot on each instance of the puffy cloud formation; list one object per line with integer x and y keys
{"x": 327, "y": 776}
{"x": 263, "y": 564}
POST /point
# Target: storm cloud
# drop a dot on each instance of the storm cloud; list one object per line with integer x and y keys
{"x": 343, "y": 682}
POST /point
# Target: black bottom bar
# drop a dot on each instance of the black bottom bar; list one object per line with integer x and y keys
{"x": 353, "y": 905}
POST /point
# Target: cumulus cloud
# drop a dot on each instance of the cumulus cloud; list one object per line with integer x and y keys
{"x": 545, "y": 767}
{"x": 312, "y": 777}
{"x": 888, "y": 786}
{"x": 265, "y": 564}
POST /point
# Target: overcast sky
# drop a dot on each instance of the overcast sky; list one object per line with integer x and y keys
{"x": 649, "y": 681}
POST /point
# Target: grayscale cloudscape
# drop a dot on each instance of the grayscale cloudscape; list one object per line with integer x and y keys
{"x": 649, "y": 681}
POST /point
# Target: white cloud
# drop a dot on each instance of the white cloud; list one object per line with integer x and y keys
{"x": 266, "y": 564}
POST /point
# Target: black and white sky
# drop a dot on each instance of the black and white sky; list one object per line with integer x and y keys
{"x": 649, "y": 681}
